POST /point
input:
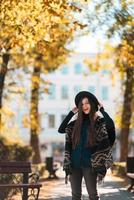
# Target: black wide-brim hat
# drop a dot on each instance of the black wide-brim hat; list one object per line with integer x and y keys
{"x": 87, "y": 94}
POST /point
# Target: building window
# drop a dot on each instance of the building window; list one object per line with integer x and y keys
{"x": 105, "y": 93}
{"x": 51, "y": 120}
{"x": 64, "y": 70}
{"x": 91, "y": 89}
{"x": 64, "y": 92}
{"x": 78, "y": 68}
{"x": 77, "y": 89}
{"x": 105, "y": 71}
{"x": 52, "y": 92}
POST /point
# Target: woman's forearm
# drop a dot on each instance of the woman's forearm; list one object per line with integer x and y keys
{"x": 64, "y": 124}
{"x": 108, "y": 119}
{"x": 110, "y": 126}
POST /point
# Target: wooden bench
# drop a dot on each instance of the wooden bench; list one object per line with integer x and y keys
{"x": 50, "y": 167}
{"x": 130, "y": 171}
{"x": 19, "y": 167}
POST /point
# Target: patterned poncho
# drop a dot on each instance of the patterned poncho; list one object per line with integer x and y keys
{"x": 101, "y": 156}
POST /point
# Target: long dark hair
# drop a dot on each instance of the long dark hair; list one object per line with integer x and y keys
{"x": 78, "y": 124}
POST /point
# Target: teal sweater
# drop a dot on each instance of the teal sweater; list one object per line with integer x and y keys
{"x": 81, "y": 154}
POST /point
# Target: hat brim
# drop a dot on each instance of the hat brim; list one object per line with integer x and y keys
{"x": 87, "y": 94}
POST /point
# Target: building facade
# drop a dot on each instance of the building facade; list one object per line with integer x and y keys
{"x": 67, "y": 81}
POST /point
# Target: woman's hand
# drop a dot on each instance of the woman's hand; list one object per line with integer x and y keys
{"x": 95, "y": 115}
{"x": 100, "y": 105}
{"x": 75, "y": 110}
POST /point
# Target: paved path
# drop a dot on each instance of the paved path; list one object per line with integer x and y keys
{"x": 111, "y": 189}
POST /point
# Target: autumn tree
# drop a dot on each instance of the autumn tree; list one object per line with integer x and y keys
{"x": 48, "y": 56}
{"x": 115, "y": 20}
{"x": 22, "y": 24}
{"x": 37, "y": 29}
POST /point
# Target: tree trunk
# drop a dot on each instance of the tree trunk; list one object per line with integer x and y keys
{"x": 126, "y": 114}
{"x": 34, "y": 115}
{"x": 3, "y": 71}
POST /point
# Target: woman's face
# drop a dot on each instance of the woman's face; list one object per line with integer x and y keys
{"x": 86, "y": 106}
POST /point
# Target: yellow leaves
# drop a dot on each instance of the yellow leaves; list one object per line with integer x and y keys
{"x": 108, "y": 48}
{"x": 26, "y": 20}
{"x": 37, "y": 31}
{"x": 35, "y": 79}
{"x": 7, "y": 127}
{"x": 7, "y": 112}
{"x": 104, "y": 61}
{"x": 123, "y": 4}
{"x": 130, "y": 23}
{"x": 26, "y": 121}
{"x": 79, "y": 25}
{"x": 118, "y": 116}
{"x": 11, "y": 133}
{"x": 132, "y": 118}
{"x": 92, "y": 64}
{"x": 114, "y": 59}
{"x": 25, "y": 23}
{"x": 101, "y": 61}
{"x": 113, "y": 77}
{"x": 34, "y": 123}
{"x": 125, "y": 54}
{"x": 18, "y": 89}
{"x": 46, "y": 90}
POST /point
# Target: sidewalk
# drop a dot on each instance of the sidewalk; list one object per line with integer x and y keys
{"x": 111, "y": 189}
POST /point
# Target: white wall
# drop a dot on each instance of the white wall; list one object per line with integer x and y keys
{"x": 59, "y": 106}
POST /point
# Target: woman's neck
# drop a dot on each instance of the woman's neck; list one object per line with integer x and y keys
{"x": 85, "y": 116}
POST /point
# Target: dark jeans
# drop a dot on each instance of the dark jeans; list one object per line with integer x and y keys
{"x": 90, "y": 181}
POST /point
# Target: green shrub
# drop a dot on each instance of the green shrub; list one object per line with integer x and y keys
{"x": 14, "y": 151}
{"x": 119, "y": 168}
{"x": 22, "y": 153}
{"x": 5, "y": 150}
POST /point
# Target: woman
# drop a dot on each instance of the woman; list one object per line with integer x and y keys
{"x": 87, "y": 147}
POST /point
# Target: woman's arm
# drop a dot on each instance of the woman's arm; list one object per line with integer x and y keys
{"x": 67, "y": 167}
{"x": 109, "y": 125}
{"x": 101, "y": 157}
{"x": 64, "y": 124}
{"x": 67, "y": 154}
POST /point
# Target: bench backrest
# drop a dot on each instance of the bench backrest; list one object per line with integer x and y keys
{"x": 7, "y": 167}
{"x": 130, "y": 164}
